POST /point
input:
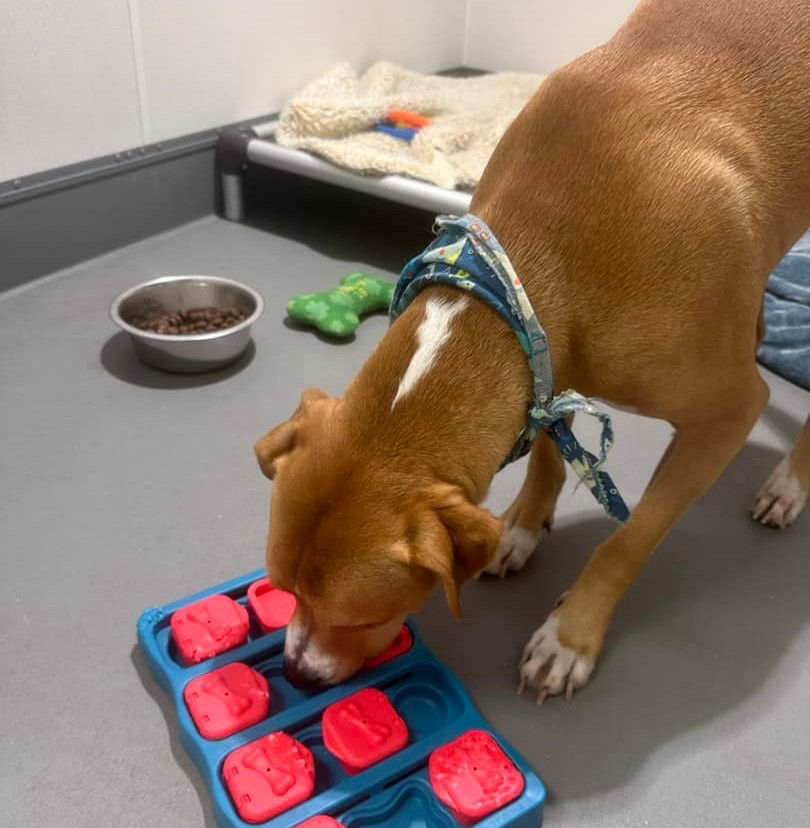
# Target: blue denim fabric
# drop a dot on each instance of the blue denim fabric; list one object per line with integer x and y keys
{"x": 786, "y": 347}
{"x": 466, "y": 255}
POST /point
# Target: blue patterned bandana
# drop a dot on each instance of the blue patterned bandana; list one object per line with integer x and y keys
{"x": 467, "y": 255}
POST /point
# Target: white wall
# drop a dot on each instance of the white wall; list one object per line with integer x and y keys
{"x": 207, "y": 62}
{"x": 90, "y": 77}
{"x": 85, "y": 78}
{"x": 67, "y": 83}
{"x": 538, "y": 35}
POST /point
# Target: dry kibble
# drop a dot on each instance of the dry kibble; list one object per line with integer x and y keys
{"x": 192, "y": 321}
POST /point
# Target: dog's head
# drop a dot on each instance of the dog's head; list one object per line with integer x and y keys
{"x": 359, "y": 539}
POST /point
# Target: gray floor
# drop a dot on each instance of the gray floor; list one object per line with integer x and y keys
{"x": 122, "y": 487}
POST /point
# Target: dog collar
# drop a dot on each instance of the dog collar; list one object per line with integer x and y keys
{"x": 466, "y": 255}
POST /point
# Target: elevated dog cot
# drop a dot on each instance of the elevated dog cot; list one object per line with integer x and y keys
{"x": 239, "y": 148}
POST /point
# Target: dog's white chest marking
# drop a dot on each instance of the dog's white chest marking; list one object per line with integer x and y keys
{"x": 432, "y": 333}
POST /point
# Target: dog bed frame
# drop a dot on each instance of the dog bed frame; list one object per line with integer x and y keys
{"x": 238, "y": 148}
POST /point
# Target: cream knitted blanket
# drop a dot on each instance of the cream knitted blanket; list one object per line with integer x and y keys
{"x": 334, "y": 117}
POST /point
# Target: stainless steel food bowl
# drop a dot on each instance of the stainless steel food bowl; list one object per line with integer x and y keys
{"x": 191, "y": 353}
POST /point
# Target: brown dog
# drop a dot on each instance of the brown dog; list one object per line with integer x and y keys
{"x": 644, "y": 195}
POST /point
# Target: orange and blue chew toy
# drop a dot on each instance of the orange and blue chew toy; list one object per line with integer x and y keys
{"x": 402, "y": 124}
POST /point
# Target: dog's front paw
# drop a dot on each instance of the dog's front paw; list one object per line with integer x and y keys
{"x": 514, "y": 549}
{"x": 550, "y": 667}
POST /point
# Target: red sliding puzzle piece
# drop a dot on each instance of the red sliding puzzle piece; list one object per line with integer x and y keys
{"x": 228, "y": 699}
{"x": 269, "y": 776}
{"x": 473, "y": 776}
{"x": 363, "y": 729}
{"x": 320, "y": 821}
{"x": 273, "y": 607}
{"x": 401, "y": 644}
{"x": 209, "y": 627}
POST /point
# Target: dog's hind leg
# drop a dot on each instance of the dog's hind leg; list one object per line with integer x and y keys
{"x": 783, "y": 495}
{"x": 532, "y": 511}
{"x": 561, "y": 654}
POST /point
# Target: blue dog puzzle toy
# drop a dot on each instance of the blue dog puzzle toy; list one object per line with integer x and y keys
{"x": 399, "y": 745}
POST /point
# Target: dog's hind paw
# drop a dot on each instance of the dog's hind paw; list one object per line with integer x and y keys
{"x": 551, "y": 668}
{"x": 781, "y": 498}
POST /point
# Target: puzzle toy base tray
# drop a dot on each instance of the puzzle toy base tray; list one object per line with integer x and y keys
{"x": 398, "y": 791}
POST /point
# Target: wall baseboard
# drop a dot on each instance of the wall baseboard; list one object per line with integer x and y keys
{"x": 63, "y": 216}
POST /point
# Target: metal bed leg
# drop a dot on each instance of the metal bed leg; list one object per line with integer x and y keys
{"x": 231, "y": 162}
{"x": 233, "y": 206}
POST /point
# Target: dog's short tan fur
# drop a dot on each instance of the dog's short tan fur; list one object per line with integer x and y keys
{"x": 644, "y": 195}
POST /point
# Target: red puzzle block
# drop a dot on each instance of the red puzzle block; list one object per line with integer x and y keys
{"x": 401, "y": 644}
{"x": 320, "y": 821}
{"x": 206, "y": 628}
{"x": 363, "y": 729}
{"x": 473, "y": 776}
{"x": 227, "y": 699}
{"x": 273, "y": 607}
{"x": 269, "y": 776}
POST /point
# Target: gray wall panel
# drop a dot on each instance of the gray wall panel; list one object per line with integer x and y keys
{"x": 66, "y": 226}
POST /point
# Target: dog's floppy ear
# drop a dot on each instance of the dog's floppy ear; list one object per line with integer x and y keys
{"x": 454, "y": 539}
{"x": 276, "y": 443}
{"x": 281, "y": 440}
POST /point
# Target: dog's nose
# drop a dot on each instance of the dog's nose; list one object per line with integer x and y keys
{"x": 299, "y": 677}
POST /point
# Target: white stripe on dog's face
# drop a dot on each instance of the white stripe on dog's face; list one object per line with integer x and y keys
{"x": 432, "y": 333}
{"x": 318, "y": 665}
{"x": 294, "y": 639}
{"x": 301, "y": 650}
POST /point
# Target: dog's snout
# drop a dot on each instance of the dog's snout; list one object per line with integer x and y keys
{"x": 300, "y": 678}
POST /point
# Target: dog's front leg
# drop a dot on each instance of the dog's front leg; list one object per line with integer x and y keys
{"x": 532, "y": 511}
{"x": 561, "y": 654}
